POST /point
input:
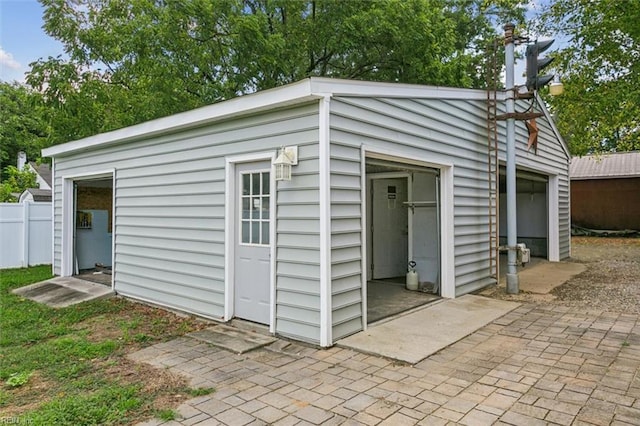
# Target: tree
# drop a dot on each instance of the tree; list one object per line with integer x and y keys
{"x": 600, "y": 68}
{"x": 15, "y": 183}
{"x": 133, "y": 60}
{"x": 22, "y": 124}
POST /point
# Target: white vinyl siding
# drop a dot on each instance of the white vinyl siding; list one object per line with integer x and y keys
{"x": 346, "y": 244}
{"x": 550, "y": 159}
{"x": 442, "y": 132}
{"x": 57, "y": 224}
{"x": 298, "y": 249}
{"x": 169, "y": 224}
{"x": 449, "y": 132}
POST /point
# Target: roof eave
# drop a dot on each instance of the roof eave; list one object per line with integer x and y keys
{"x": 302, "y": 91}
{"x": 343, "y": 87}
{"x": 547, "y": 114}
{"x": 278, "y": 97}
{"x": 605, "y": 177}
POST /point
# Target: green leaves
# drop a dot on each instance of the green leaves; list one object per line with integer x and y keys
{"x": 600, "y": 67}
{"x": 15, "y": 183}
{"x": 23, "y": 126}
{"x": 16, "y": 380}
{"x": 134, "y": 60}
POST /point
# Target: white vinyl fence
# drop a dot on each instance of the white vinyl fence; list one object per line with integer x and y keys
{"x": 25, "y": 234}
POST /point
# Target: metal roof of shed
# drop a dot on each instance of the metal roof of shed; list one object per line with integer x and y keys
{"x": 606, "y": 166}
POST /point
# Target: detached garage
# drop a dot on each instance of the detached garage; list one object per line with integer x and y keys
{"x": 188, "y": 212}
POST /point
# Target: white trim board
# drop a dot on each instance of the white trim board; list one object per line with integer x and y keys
{"x": 553, "y": 220}
{"x": 68, "y": 219}
{"x": 326, "y": 322}
{"x": 229, "y": 236}
{"x": 447, "y": 261}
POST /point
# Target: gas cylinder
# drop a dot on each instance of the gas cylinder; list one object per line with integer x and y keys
{"x": 412, "y": 277}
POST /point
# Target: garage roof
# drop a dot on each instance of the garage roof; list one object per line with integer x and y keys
{"x": 307, "y": 90}
{"x": 606, "y": 166}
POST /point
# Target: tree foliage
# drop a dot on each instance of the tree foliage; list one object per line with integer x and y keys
{"x": 134, "y": 60}
{"x": 15, "y": 183}
{"x": 600, "y": 68}
{"x": 22, "y": 124}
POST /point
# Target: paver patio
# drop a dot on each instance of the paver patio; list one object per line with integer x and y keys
{"x": 536, "y": 365}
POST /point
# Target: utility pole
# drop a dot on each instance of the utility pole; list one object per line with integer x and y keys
{"x": 513, "y": 281}
{"x": 534, "y": 82}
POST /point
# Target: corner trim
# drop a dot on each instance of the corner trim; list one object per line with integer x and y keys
{"x": 326, "y": 324}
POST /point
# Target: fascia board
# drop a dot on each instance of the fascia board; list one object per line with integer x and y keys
{"x": 261, "y": 101}
{"x": 605, "y": 177}
{"x": 547, "y": 115}
{"x": 342, "y": 87}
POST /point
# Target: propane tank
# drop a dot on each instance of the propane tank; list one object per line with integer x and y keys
{"x": 412, "y": 277}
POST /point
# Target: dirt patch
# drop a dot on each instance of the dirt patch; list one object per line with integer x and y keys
{"x": 31, "y": 395}
{"x": 610, "y": 283}
{"x": 167, "y": 390}
{"x": 139, "y": 326}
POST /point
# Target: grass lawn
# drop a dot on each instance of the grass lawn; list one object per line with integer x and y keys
{"x": 69, "y": 367}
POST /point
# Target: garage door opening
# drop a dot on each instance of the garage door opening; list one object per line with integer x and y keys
{"x": 532, "y": 207}
{"x": 93, "y": 229}
{"x": 403, "y": 226}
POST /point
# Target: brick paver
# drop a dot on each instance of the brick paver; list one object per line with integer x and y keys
{"x": 536, "y": 365}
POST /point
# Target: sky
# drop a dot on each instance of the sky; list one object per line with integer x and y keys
{"x": 22, "y": 39}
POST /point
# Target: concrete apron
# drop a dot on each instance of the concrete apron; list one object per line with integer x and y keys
{"x": 415, "y": 336}
{"x": 60, "y": 292}
{"x": 545, "y": 276}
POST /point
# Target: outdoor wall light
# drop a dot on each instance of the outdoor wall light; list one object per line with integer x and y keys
{"x": 556, "y": 88}
{"x": 287, "y": 157}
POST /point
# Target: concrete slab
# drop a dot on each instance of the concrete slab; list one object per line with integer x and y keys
{"x": 385, "y": 299}
{"x": 544, "y": 277}
{"x": 60, "y": 292}
{"x": 414, "y": 336}
{"x": 232, "y": 339}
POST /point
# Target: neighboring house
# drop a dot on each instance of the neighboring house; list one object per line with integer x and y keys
{"x": 43, "y": 174}
{"x": 385, "y": 173}
{"x": 43, "y": 179}
{"x": 35, "y": 195}
{"x": 605, "y": 191}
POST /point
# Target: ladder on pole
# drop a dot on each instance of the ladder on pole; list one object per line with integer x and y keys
{"x": 492, "y": 160}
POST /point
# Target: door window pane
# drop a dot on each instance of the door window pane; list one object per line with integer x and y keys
{"x": 245, "y": 232}
{"x": 245, "y": 208}
{"x": 265, "y": 232}
{"x": 255, "y": 208}
{"x": 255, "y": 232}
{"x": 246, "y": 184}
{"x": 255, "y": 183}
{"x": 265, "y": 207}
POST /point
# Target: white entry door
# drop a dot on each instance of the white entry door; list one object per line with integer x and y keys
{"x": 253, "y": 242}
{"x": 390, "y": 240}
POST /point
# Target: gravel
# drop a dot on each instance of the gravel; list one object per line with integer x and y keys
{"x": 611, "y": 282}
